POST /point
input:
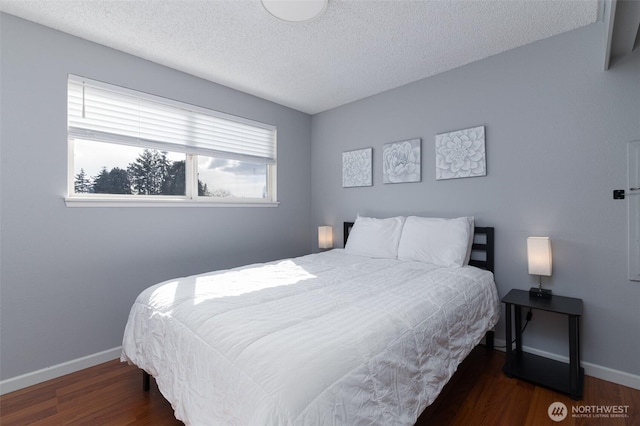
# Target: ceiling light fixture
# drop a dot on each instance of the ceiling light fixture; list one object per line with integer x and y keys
{"x": 295, "y": 10}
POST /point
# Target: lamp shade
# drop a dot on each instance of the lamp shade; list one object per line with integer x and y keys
{"x": 539, "y": 255}
{"x": 325, "y": 237}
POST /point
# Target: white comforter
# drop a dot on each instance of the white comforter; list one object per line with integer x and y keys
{"x": 324, "y": 339}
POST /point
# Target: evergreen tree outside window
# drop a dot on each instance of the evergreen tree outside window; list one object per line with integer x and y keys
{"x": 82, "y": 183}
{"x": 131, "y": 146}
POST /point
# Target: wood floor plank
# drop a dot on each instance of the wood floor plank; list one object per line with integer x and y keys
{"x": 36, "y": 412}
{"x": 478, "y": 394}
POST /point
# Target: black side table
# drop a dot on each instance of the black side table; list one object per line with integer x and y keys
{"x": 568, "y": 379}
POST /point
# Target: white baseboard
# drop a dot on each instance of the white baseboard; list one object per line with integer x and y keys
{"x": 593, "y": 370}
{"x": 39, "y": 376}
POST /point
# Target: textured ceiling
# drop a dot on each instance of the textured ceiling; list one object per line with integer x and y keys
{"x": 354, "y": 50}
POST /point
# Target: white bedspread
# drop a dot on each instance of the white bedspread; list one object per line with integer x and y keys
{"x": 324, "y": 339}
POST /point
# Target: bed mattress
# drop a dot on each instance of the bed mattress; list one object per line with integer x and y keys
{"x": 327, "y": 338}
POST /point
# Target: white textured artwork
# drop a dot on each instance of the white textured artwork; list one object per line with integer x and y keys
{"x": 460, "y": 154}
{"x": 357, "y": 168}
{"x": 401, "y": 161}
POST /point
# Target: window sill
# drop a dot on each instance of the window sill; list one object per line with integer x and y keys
{"x": 165, "y": 202}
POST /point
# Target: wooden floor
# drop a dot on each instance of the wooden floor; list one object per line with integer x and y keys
{"x": 478, "y": 394}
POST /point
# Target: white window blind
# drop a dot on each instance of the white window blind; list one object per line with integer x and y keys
{"x": 107, "y": 113}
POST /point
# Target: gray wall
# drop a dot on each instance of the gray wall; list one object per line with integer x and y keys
{"x": 69, "y": 275}
{"x": 557, "y": 128}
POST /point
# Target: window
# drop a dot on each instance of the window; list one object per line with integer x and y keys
{"x": 128, "y": 147}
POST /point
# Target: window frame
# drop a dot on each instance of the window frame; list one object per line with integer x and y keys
{"x": 191, "y": 197}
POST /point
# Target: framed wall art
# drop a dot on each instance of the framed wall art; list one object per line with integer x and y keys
{"x": 401, "y": 161}
{"x": 357, "y": 168}
{"x": 461, "y": 154}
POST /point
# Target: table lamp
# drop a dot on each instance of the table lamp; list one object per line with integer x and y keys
{"x": 325, "y": 237}
{"x": 540, "y": 261}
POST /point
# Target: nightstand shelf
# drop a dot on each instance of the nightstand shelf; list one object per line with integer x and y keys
{"x": 556, "y": 375}
{"x": 546, "y": 372}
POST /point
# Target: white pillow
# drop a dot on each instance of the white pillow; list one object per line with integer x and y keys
{"x": 443, "y": 242}
{"x": 375, "y": 237}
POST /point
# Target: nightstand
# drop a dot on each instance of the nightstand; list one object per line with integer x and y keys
{"x": 560, "y": 376}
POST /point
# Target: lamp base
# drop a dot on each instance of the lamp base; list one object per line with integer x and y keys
{"x": 539, "y": 293}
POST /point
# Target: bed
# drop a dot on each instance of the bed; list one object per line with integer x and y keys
{"x": 341, "y": 337}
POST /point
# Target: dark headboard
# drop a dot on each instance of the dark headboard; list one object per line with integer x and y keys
{"x": 346, "y": 229}
{"x": 485, "y": 249}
